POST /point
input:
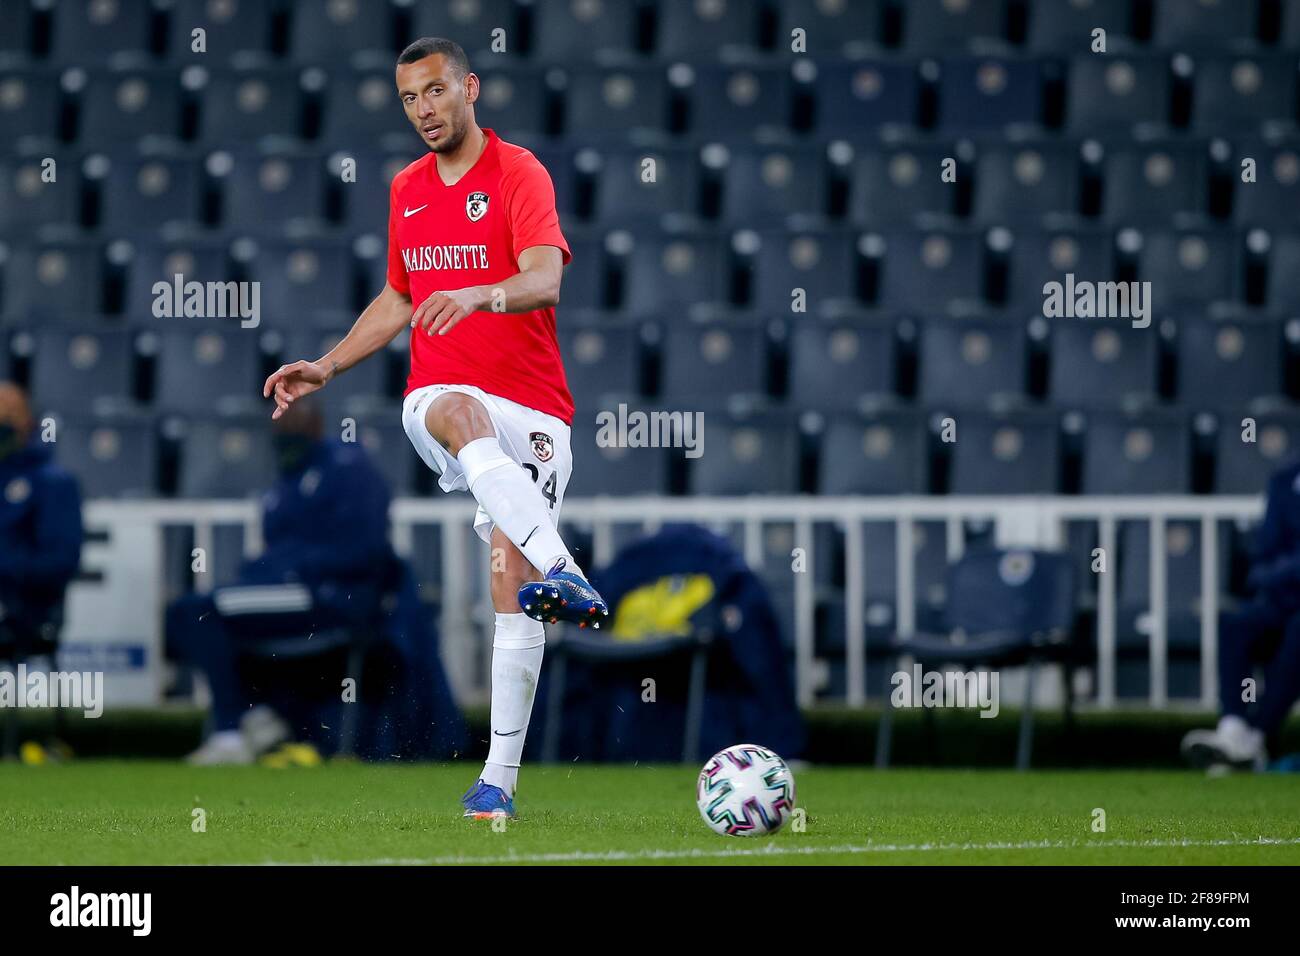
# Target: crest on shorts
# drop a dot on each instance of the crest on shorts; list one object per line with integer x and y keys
{"x": 476, "y": 206}
{"x": 543, "y": 447}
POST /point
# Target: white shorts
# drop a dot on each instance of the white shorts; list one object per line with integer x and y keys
{"x": 537, "y": 441}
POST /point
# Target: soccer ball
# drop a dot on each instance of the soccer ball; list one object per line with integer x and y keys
{"x": 745, "y": 790}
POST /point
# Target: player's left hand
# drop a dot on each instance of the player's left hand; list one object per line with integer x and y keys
{"x": 440, "y": 311}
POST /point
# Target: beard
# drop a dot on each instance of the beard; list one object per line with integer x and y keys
{"x": 451, "y": 141}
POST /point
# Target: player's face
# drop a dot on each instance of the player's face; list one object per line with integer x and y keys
{"x": 437, "y": 100}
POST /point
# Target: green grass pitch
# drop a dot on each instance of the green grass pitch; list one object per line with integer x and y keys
{"x": 117, "y": 812}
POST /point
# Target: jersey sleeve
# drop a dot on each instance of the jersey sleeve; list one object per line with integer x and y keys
{"x": 530, "y": 205}
{"x": 397, "y": 277}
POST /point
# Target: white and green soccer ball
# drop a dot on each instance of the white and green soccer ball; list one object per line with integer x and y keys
{"x": 745, "y": 790}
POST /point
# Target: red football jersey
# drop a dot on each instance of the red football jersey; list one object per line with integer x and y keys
{"x": 444, "y": 237}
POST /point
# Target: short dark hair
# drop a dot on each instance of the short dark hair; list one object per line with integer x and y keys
{"x": 431, "y": 46}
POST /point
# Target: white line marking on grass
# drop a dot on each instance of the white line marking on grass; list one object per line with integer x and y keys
{"x": 774, "y": 849}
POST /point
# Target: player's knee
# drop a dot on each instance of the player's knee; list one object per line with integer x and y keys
{"x": 455, "y": 420}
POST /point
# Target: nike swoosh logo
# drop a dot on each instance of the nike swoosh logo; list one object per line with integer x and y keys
{"x": 411, "y": 212}
{"x": 513, "y": 733}
{"x": 530, "y": 534}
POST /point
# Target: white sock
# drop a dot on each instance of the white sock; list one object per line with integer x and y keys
{"x": 517, "y": 649}
{"x": 513, "y": 503}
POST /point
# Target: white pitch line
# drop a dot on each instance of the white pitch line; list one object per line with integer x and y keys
{"x": 622, "y": 856}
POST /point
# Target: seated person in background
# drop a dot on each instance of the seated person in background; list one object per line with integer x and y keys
{"x": 325, "y": 564}
{"x": 40, "y": 533}
{"x": 1265, "y": 632}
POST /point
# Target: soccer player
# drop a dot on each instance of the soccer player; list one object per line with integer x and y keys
{"x": 475, "y": 257}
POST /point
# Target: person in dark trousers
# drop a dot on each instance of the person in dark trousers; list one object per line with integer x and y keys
{"x": 1263, "y": 634}
{"x": 40, "y": 536}
{"x": 325, "y": 564}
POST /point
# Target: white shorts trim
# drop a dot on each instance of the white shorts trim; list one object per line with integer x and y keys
{"x": 515, "y": 427}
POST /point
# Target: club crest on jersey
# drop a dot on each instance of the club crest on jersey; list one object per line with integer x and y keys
{"x": 476, "y": 206}
{"x": 543, "y": 447}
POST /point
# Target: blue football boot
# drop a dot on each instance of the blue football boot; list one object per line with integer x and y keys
{"x": 485, "y": 802}
{"x": 563, "y": 596}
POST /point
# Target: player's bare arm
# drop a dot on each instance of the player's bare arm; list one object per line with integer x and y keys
{"x": 535, "y": 286}
{"x": 381, "y": 320}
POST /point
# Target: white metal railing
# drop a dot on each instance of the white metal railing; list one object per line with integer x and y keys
{"x": 1038, "y": 521}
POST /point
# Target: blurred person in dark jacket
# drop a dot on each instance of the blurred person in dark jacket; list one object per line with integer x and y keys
{"x": 1264, "y": 633}
{"x": 40, "y": 532}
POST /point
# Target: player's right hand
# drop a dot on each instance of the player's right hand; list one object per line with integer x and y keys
{"x": 289, "y": 382}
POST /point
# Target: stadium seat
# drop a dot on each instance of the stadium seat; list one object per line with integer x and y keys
{"x": 1145, "y": 453}
{"x": 820, "y": 262}
{"x": 112, "y": 457}
{"x": 1284, "y": 273}
{"x": 1032, "y": 182}
{"x": 378, "y": 427}
{"x": 714, "y": 360}
{"x": 246, "y": 104}
{"x": 276, "y": 190}
{"x": 775, "y": 185}
{"x": 1182, "y": 565}
{"x": 1290, "y": 25}
{"x": 901, "y": 185}
{"x": 1115, "y": 94}
{"x": 1037, "y": 258}
{"x": 878, "y": 452}
{"x": 584, "y": 285}
{"x": 362, "y": 106}
{"x": 327, "y": 31}
{"x": 707, "y": 30}
{"x": 643, "y": 185}
{"x": 1066, "y": 28}
{"x": 150, "y": 262}
{"x": 231, "y": 30}
{"x": 668, "y": 274}
{"x": 365, "y": 201}
{"x": 1227, "y": 363}
{"x": 832, "y": 29}
{"x": 76, "y": 371}
{"x": 1197, "y": 24}
{"x": 16, "y": 27}
{"x": 734, "y": 102}
{"x": 29, "y": 101}
{"x": 1005, "y": 453}
{"x": 1243, "y": 93}
{"x": 99, "y": 31}
{"x": 746, "y": 454}
{"x": 1270, "y": 199}
{"x": 970, "y": 361}
{"x": 147, "y": 190}
{"x": 512, "y": 101}
{"x": 1101, "y": 362}
{"x": 935, "y": 25}
{"x": 600, "y": 360}
{"x": 127, "y": 105}
{"x": 613, "y": 104}
{"x": 602, "y": 467}
{"x": 839, "y": 365}
{"x": 1244, "y": 467}
{"x": 1161, "y": 183}
{"x": 1190, "y": 268}
{"x": 207, "y": 370}
{"x": 857, "y": 99}
{"x": 363, "y": 382}
{"x": 472, "y": 25}
{"x": 931, "y": 272}
{"x": 28, "y": 201}
{"x": 226, "y": 457}
{"x": 605, "y": 31}
{"x": 985, "y": 94}
{"x": 52, "y": 280}
{"x": 310, "y": 282}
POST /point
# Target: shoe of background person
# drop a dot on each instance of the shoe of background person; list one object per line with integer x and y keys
{"x": 263, "y": 730}
{"x": 224, "y": 748}
{"x": 1233, "y": 742}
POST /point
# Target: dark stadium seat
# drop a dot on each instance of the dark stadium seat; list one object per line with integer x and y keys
{"x": 1244, "y": 467}
{"x": 970, "y": 361}
{"x": 583, "y": 285}
{"x": 1066, "y": 28}
{"x": 1275, "y": 193}
{"x": 273, "y": 191}
{"x": 832, "y": 29}
{"x": 75, "y": 371}
{"x": 1114, "y": 94}
{"x": 1290, "y": 24}
{"x": 714, "y": 360}
{"x": 707, "y": 30}
{"x": 1198, "y": 24}
{"x": 1284, "y": 273}
{"x": 820, "y": 262}
{"x": 311, "y": 282}
{"x": 670, "y": 273}
{"x": 226, "y": 457}
{"x": 193, "y": 259}
{"x": 28, "y": 200}
{"x": 378, "y": 428}
{"x": 643, "y": 185}
{"x": 837, "y": 365}
{"x": 931, "y": 271}
{"x": 512, "y": 101}
{"x": 935, "y": 25}
{"x": 602, "y": 466}
{"x": 1005, "y": 453}
{"x": 1226, "y": 363}
{"x": 600, "y": 360}
{"x": 362, "y": 106}
{"x": 1101, "y": 362}
{"x": 207, "y": 369}
{"x": 99, "y": 31}
{"x": 773, "y": 185}
{"x": 52, "y": 279}
{"x": 127, "y": 105}
{"x": 326, "y": 31}
{"x": 147, "y": 190}
{"x": 856, "y": 99}
{"x": 740, "y": 101}
{"x": 29, "y": 101}
{"x": 746, "y": 454}
{"x": 1163, "y": 183}
{"x": 565, "y": 32}
{"x": 365, "y": 380}
{"x": 1243, "y": 93}
{"x": 16, "y": 27}
{"x": 611, "y": 104}
{"x": 365, "y": 200}
{"x": 248, "y": 103}
{"x": 1027, "y": 182}
{"x": 1144, "y": 453}
{"x": 878, "y": 452}
{"x": 112, "y": 457}
{"x": 1190, "y": 268}
{"x": 901, "y": 185}
{"x": 230, "y": 30}
{"x": 471, "y": 25}
{"x": 1182, "y": 563}
{"x": 984, "y": 94}
{"x": 1037, "y": 258}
